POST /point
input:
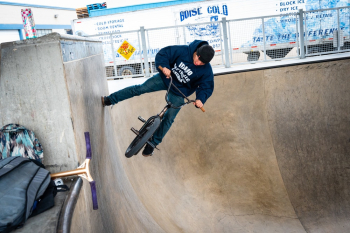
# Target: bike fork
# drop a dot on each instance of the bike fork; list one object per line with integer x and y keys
{"x": 161, "y": 114}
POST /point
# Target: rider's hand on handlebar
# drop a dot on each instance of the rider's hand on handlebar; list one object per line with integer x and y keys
{"x": 198, "y": 103}
{"x": 166, "y": 72}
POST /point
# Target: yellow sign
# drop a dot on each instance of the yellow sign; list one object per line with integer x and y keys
{"x": 126, "y": 50}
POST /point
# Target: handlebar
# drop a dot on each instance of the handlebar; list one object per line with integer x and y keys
{"x": 189, "y": 101}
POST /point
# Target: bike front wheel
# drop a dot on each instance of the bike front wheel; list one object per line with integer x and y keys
{"x": 145, "y": 133}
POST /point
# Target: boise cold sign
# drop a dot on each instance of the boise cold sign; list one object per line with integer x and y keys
{"x": 217, "y": 10}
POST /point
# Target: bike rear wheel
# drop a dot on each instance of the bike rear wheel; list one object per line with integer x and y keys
{"x": 145, "y": 133}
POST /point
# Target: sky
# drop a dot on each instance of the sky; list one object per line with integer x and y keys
{"x": 83, "y": 3}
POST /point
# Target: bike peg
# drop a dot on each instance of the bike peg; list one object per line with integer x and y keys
{"x": 135, "y": 131}
{"x": 141, "y": 119}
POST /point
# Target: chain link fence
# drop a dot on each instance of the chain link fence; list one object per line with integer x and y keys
{"x": 240, "y": 41}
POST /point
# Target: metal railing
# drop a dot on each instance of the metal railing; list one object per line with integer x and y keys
{"x": 238, "y": 41}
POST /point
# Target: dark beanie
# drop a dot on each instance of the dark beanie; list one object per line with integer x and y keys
{"x": 205, "y": 53}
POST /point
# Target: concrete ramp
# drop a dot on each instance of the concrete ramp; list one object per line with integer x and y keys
{"x": 270, "y": 154}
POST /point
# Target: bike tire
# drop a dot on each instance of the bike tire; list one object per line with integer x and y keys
{"x": 140, "y": 140}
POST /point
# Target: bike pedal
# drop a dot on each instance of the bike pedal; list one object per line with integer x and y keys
{"x": 151, "y": 144}
{"x": 141, "y": 119}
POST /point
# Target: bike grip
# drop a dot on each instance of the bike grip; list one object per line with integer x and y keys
{"x": 94, "y": 195}
{"x": 202, "y": 108}
{"x": 161, "y": 68}
{"x": 88, "y": 145}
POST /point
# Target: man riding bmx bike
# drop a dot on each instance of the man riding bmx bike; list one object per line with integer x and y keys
{"x": 191, "y": 72}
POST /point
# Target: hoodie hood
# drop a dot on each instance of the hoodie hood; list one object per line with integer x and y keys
{"x": 195, "y": 44}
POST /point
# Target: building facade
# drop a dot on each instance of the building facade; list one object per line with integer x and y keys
{"x": 47, "y": 19}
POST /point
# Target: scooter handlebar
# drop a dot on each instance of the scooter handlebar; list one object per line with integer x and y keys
{"x": 94, "y": 195}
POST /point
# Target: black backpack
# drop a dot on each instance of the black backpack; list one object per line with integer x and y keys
{"x": 23, "y": 183}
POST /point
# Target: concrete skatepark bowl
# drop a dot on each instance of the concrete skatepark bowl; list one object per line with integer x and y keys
{"x": 270, "y": 154}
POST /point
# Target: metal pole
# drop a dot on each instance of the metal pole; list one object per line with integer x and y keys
{"x": 113, "y": 54}
{"x": 144, "y": 48}
{"x": 296, "y": 35}
{"x": 177, "y": 36}
{"x": 264, "y": 39}
{"x": 224, "y": 30}
{"x": 306, "y": 35}
{"x": 229, "y": 36}
{"x": 149, "y": 46}
{"x": 301, "y": 35}
{"x": 138, "y": 37}
{"x": 338, "y": 34}
{"x": 221, "y": 50}
{"x": 184, "y": 35}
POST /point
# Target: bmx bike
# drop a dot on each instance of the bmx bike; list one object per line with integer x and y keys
{"x": 145, "y": 133}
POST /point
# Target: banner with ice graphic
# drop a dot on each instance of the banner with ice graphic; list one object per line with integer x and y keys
{"x": 319, "y": 25}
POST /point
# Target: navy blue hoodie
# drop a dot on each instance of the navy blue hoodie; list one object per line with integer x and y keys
{"x": 188, "y": 77}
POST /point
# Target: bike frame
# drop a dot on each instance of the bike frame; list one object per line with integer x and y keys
{"x": 166, "y": 96}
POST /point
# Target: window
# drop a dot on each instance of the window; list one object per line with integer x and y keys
{"x": 43, "y": 32}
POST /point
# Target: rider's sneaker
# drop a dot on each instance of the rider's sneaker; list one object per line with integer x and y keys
{"x": 105, "y": 101}
{"x": 148, "y": 151}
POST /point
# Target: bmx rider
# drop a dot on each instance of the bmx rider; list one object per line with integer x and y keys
{"x": 191, "y": 72}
